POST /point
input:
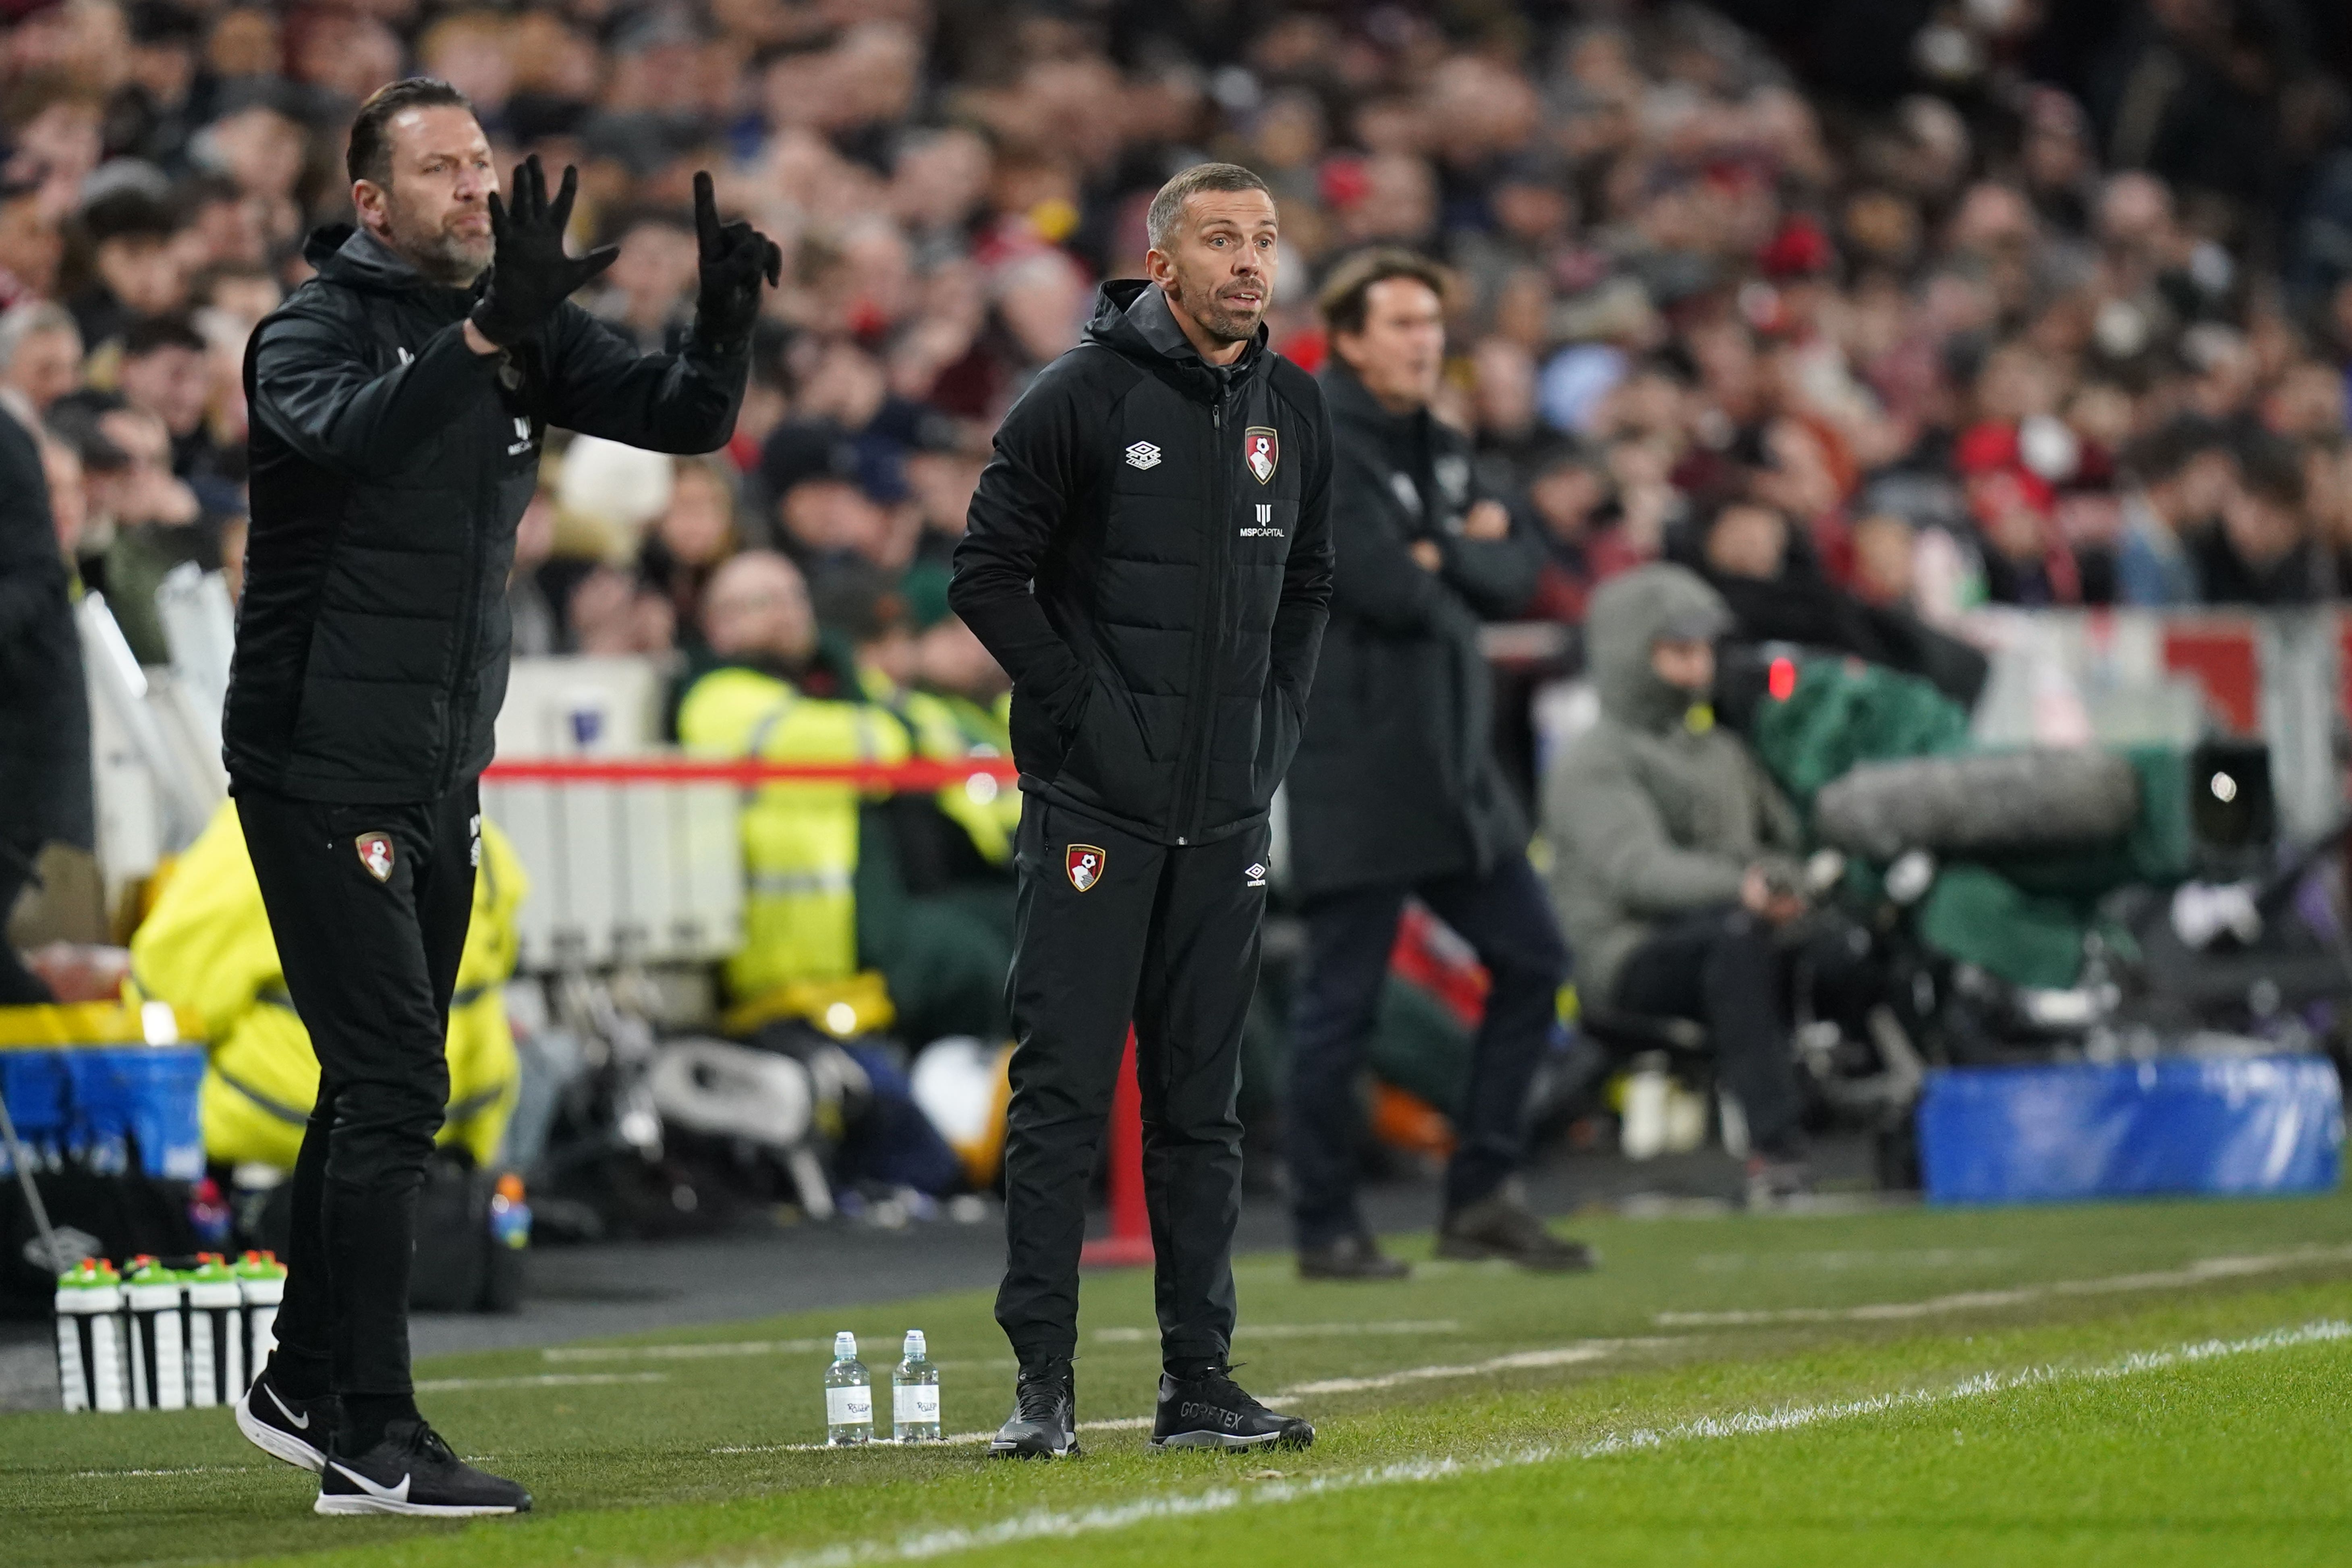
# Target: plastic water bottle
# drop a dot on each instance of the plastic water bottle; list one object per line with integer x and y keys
{"x": 261, "y": 1286}
{"x": 93, "y": 1368}
{"x": 215, "y": 1333}
{"x": 915, "y": 1393}
{"x": 159, "y": 1351}
{"x": 848, "y": 1395}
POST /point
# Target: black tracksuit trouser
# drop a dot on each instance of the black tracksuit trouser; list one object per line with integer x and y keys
{"x": 1726, "y": 969}
{"x": 368, "y": 906}
{"x": 1506, "y": 919}
{"x": 1112, "y": 929}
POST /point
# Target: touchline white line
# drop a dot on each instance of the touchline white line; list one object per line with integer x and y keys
{"x": 2204, "y": 1271}
{"x": 543, "y": 1380}
{"x": 691, "y": 1352}
{"x": 1043, "y": 1524}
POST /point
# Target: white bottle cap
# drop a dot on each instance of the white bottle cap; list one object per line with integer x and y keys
{"x": 916, "y": 1348}
{"x": 844, "y": 1346}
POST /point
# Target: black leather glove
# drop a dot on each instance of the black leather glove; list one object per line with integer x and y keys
{"x": 530, "y": 274}
{"x": 735, "y": 256}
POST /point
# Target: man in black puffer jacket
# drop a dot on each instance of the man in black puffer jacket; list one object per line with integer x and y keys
{"x": 1149, "y": 557}
{"x": 398, "y": 401}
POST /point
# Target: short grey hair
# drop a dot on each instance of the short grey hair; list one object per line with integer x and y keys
{"x": 1168, "y": 208}
{"x": 29, "y": 320}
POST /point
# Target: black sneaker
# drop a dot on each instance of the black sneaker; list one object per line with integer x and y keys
{"x": 1501, "y": 1226}
{"x": 412, "y": 1471}
{"x": 1212, "y": 1412}
{"x": 294, "y": 1430}
{"x": 1044, "y": 1420}
{"x": 1354, "y": 1257}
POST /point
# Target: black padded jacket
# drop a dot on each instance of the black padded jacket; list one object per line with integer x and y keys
{"x": 390, "y": 465}
{"x": 1148, "y": 556}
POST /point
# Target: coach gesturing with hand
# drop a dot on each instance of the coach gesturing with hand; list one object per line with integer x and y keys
{"x": 398, "y": 403}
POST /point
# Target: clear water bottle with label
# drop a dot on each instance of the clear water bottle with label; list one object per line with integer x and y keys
{"x": 915, "y": 1393}
{"x": 848, "y": 1395}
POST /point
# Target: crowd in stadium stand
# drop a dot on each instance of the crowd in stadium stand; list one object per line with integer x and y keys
{"x": 1871, "y": 312}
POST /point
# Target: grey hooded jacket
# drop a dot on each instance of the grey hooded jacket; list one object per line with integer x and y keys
{"x": 1653, "y": 812}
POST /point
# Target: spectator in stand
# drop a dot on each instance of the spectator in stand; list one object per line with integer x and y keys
{"x": 30, "y": 244}
{"x": 40, "y": 357}
{"x": 2180, "y": 477}
{"x": 135, "y": 271}
{"x": 45, "y": 761}
{"x": 1775, "y": 594}
{"x": 648, "y": 293}
{"x": 2263, "y": 554}
{"x": 166, "y": 371}
{"x": 145, "y": 519}
{"x": 687, "y": 542}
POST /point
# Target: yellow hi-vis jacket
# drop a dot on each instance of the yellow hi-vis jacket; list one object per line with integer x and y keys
{"x": 206, "y": 948}
{"x": 956, "y": 730}
{"x": 799, "y": 840}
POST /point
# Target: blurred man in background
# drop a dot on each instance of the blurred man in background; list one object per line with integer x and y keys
{"x": 1670, "y": 850}
{"x": 1397, "y": 793}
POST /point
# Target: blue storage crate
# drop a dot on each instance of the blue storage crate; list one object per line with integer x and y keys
{"x": 33, "y": 1085}
{"x": 142, "y": 1096}
{"x": 96, "y": 1103}
{"x": 2175, "y": 1125}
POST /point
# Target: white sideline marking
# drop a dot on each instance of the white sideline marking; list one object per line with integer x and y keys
{"x": 1837, "y": 1262}
{"x": 182, "y": 1470}
{"x": 1046, "y": 1524}
{"x": 543, "y": 1380}
{"x": 2203, "y": 1271}
{"x": 1520, "y": 1361}
{"x": 684, "y": 1351}
{"x": 1128, "y": 1336}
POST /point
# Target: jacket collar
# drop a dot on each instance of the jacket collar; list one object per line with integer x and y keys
{"x": 343, "y": 254}
{"x": 1351, "y": 400}
{"x": 1131, "y": 316}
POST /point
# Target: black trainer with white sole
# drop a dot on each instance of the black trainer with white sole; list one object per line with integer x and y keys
{"x": 293, "y": 1430}
{"x": 1212, "y": 1412}
{"x": 413, "y": 1472}
{"x": 1044, "y": 1420}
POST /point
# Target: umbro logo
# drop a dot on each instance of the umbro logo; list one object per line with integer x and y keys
{"x": 1256, "y": 876}
{"x": 1143, "y": 454}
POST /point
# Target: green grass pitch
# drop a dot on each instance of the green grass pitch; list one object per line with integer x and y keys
{"x": 2131, "y": 1384}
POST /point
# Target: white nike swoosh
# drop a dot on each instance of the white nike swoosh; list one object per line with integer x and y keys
{"x": 389, "y": 1494}
{"x": 301, "y": 1423}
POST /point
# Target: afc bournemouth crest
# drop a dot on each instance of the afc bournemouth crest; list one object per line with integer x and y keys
{"x": 1262, "y": 449}
{"x": 1085, "y": 864}
{"x": 375, "y": 854}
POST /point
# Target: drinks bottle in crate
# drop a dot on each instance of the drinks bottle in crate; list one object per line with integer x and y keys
{"x": 261, "y": 1286}
{"x": 93, "y": 1372}
{"x": 159, "y": 1346}
{"x": 215, "y": 1333}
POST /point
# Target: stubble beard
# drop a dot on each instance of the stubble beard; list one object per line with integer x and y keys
{"x": 449, "y": 259}
{"x": 1214, "y": 317}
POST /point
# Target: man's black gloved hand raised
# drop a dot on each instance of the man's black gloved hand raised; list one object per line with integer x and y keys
{"x": 530, "y": 274}
{"x": 735, "y": 256}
